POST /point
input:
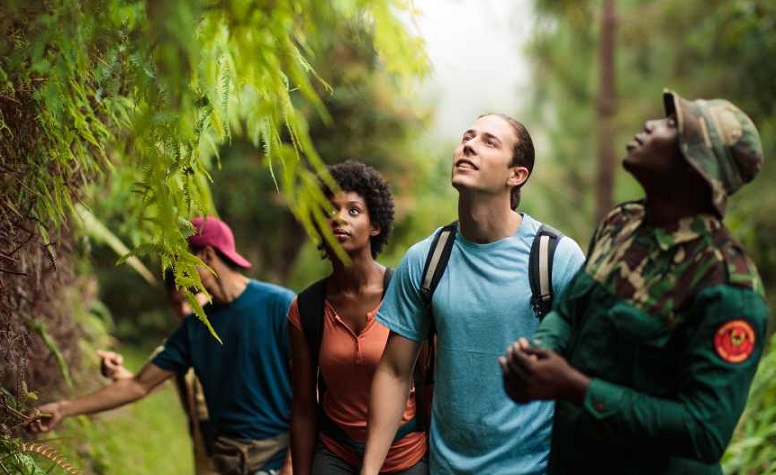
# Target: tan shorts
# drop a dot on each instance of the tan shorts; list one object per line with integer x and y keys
{"x": 233, "y": 456}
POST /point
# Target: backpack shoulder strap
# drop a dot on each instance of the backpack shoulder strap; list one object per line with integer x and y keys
{"x": 436, "y": 260}
{"x": 311, "y": 302}
{"x": 423, "y": 374}
{"x": 540, "y": 269}
{"x": 387, "y": 279}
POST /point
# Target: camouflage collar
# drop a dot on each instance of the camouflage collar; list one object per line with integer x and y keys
{"x": 685, "y": 230}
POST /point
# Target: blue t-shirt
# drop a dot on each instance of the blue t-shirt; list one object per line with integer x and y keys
{"x": 481, "y": 306}
{"x": 246, "y": 381}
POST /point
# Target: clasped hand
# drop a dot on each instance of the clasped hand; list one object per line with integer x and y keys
{"x": 532, "y": 373}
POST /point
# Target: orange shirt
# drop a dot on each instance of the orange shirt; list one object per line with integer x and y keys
{"x": 348, "y": 361}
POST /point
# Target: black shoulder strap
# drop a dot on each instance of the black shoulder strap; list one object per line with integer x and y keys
{"x": 436, "y": 261}
{"x": 311, "y": 302}
{"x": 387, "y": 279}
{"x": 540, "y": 269}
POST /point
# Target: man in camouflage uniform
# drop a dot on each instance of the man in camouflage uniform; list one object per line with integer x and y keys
{"x": 652, "y": 349}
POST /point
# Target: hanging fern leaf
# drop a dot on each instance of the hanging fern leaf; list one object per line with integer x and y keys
{"x": 131, "y": 100}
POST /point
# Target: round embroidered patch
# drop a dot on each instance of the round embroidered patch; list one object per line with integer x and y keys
{"x": 734, "y": 341}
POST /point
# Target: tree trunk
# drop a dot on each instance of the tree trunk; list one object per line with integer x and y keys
{"x": 607, "y": 105}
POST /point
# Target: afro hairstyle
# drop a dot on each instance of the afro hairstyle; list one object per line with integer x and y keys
{"x": 357, "y": 177}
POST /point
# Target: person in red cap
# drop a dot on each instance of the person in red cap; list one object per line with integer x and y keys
{"x": 188, "y": 386}
{"x": 246, "y": 379}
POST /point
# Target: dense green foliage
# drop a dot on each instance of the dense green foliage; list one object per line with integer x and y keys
{"x": 367, "y": 120}
{"x": 150, "y": 436}
{"x": 149, "y": 91}
{"x": 123, "y": 106}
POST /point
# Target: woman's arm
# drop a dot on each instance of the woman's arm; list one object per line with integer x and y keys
{"x": 304, "y": 424}
{"x": 391, "y": 386}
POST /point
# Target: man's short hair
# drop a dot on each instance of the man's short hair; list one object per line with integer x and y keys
{"x": 523, "y": 154}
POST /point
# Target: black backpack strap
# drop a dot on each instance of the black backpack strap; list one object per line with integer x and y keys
{"x": 336, "y": 432}
{"x": 386, "y": 280}
{"x": 311, "y": 302}
{"x": 540, "y": 269}
{"x": 436, "y": 261}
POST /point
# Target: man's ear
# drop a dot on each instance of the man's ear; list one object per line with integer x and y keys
{"x": 208, "y": 255}
{"x": 517, "y": 176}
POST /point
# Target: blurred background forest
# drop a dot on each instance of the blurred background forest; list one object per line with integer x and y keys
{"x": 120, "y": 119}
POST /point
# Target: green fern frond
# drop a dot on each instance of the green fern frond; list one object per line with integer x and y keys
{"x": 118, "y": 97}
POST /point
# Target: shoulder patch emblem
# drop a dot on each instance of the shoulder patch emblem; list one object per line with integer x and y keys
{"x": 734, "y": 341}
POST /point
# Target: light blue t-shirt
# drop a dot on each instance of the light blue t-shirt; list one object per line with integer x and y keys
{"x": 481, "y": 306}
{"x": 246, "y": 380}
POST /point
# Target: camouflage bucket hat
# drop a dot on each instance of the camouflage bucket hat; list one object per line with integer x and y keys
{"x": 719, "y": 141}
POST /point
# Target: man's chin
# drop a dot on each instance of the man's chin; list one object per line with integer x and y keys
{"x": 629, "y": 164}
{"x": 634, "y": 170}
{"x": 458, "y": 182}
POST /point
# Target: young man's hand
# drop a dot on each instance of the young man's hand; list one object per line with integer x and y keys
{"x": 46, "y": 417}
{"x": 112, "y": 365}
{"x": 532, "y": 373}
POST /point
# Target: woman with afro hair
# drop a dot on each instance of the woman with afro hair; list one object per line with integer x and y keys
{"x": 332, "y": 387}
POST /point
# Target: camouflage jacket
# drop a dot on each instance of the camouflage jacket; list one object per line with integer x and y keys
{"x": 669, "y": 325}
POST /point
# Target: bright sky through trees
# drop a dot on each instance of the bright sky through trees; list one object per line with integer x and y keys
{"x": 475, "y": 50}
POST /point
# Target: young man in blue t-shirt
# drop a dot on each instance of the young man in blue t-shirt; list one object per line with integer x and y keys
{"x": 246, "y": 379}
{"x": 480, "y": 306}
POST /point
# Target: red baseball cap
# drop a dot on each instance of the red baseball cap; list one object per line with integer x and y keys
{"x": 215, "y": 233}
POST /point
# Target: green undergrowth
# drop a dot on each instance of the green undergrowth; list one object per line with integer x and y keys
{"x": 147, "y": 437}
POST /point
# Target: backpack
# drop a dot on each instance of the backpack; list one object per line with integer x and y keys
{"x": 539, "y": 266}
{"x": 311, "y": 304}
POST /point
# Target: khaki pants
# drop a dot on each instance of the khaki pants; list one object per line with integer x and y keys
{"x": 245, "y": 457}
{"x": 193, "y": 401}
